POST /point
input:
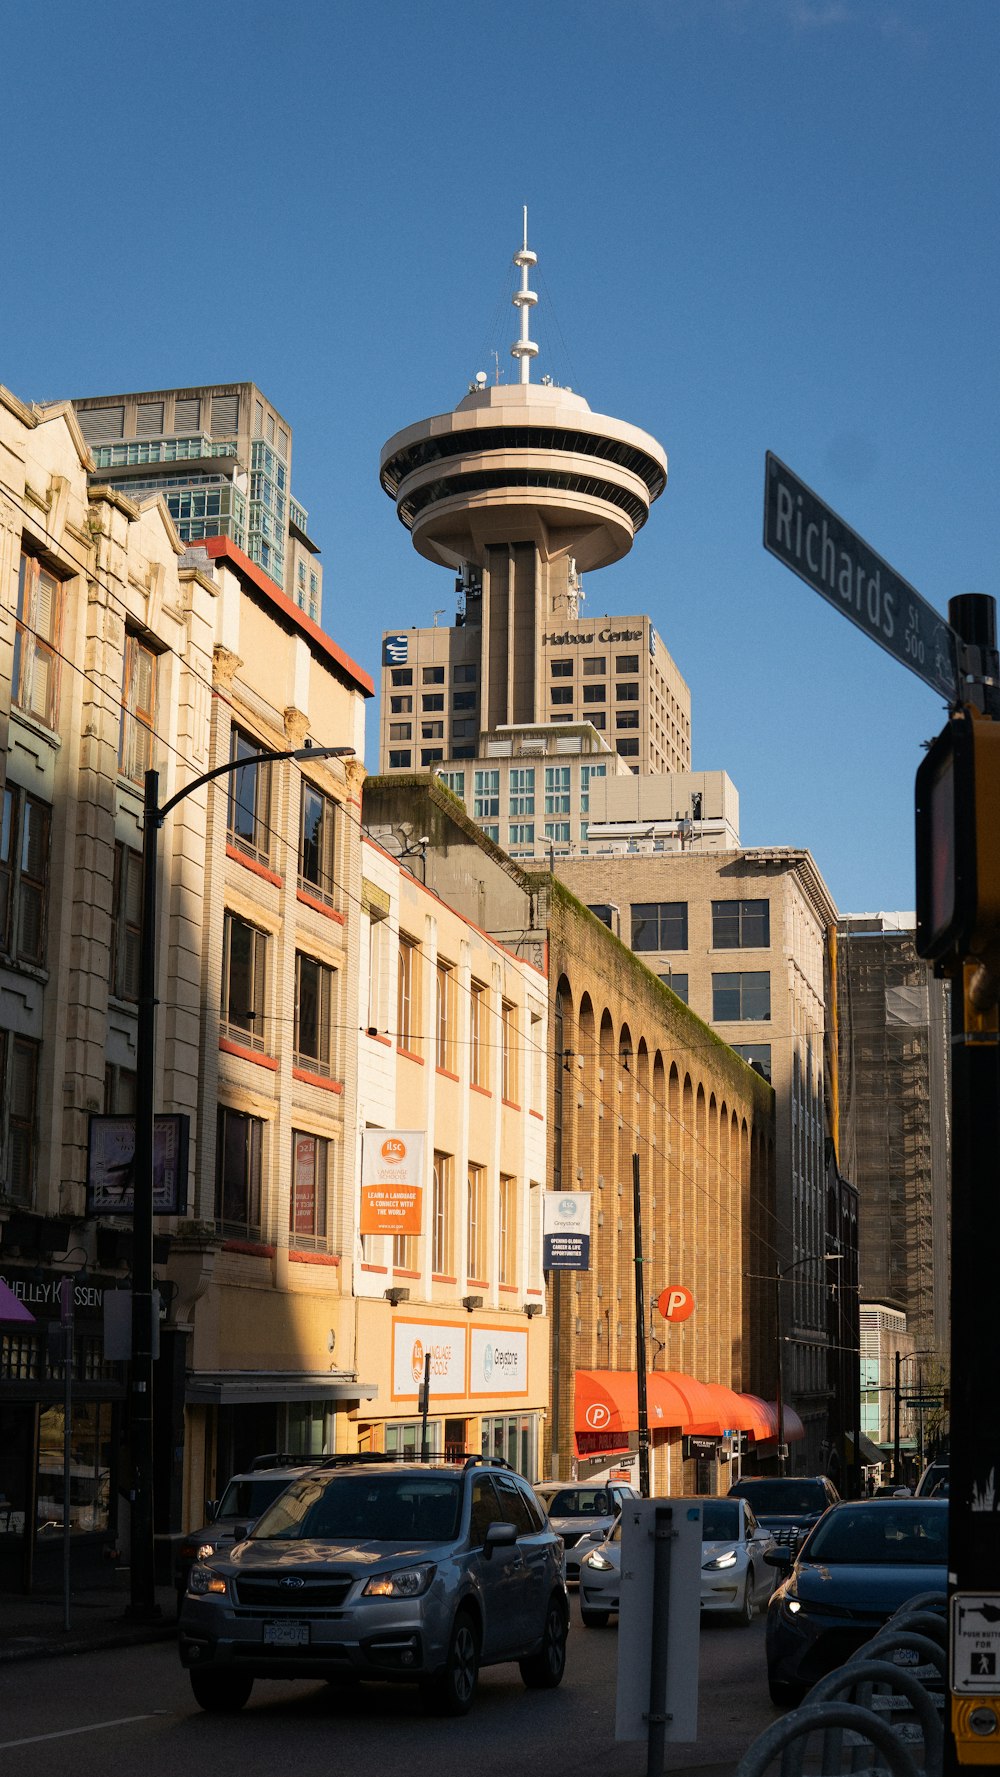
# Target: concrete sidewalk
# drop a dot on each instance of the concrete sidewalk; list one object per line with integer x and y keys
{"x": 34, "y": 1627}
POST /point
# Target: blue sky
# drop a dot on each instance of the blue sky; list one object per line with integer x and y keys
{"x": 761, "y": 224}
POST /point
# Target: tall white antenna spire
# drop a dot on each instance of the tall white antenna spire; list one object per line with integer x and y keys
{"x": 524, "y": 349}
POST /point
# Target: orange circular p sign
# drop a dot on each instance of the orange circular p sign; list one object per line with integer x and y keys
{"x": 675, "y": 1302}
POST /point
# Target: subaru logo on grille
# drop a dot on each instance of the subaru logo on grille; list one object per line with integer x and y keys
{"x": 291, "y": 1580}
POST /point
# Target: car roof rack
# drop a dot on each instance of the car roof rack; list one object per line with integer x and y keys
{"x": 281, "y": 1459}
{"x": 482, "y": 1460}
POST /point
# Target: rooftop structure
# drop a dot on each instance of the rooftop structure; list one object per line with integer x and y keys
{"x": 221, "y": 455}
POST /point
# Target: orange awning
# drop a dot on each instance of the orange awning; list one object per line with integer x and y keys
{"x": 608, "y": 1401}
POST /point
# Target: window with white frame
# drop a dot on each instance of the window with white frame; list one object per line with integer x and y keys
{"x": 378, "y": 939}
{"x": 476, "y": 1225}
{"x": 508, "y": 1050}
{"x": 479, "y": 1071}
{"x": 486, "y": 794}
{"x": 522, "y": 790}
{"x": 507, "y": 1257}
{"x": 406, "y": 991}
{"x": 443, "y": 1216}
{"x": 444, "y": 1019}
{"x": 35, "y": 680}
{"x": 557, "y": 789}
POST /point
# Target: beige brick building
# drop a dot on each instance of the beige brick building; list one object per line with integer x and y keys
{"x": 742, "y": 938}
{"x": 633, "y": 1070}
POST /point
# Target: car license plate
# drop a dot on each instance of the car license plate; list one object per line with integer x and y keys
{"x": 286, "y": 1634}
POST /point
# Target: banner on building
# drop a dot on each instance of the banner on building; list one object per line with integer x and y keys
{"x": 392, "y": 1177}
{"x": 111, "y": 1166}
{"x": 566, "y": 1231}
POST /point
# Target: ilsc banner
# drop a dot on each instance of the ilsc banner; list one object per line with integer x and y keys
{"x": 566, "y": 1231}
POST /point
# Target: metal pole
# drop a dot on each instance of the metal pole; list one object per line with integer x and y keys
{"x": 142, "y": 1581}
{"x": 895, "y": 1436}
{"x": 779, "y": 1371}
{"x": 640, "y": 1335}
{"x": 66, "y": 1329}
{"x": 425, "y": 1395}
{"x": 656, "y": 1738}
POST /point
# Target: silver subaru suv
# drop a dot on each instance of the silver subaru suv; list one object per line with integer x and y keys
{"x": 373, "y": 1568}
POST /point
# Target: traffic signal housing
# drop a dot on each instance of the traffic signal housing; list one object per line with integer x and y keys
{"x": 958, "y": 844}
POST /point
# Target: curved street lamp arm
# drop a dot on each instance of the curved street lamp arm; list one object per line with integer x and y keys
{"x": 263, "y": 758}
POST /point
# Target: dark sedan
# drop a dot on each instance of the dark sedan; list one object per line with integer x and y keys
{"x": 861, "y": 1562}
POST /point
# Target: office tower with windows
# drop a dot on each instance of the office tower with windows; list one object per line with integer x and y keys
{"x": 221, "y": 456}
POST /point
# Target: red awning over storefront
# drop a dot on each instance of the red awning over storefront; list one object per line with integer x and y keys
{"x": 607, "y": 1401}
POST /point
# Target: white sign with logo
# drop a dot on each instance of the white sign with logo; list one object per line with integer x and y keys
{"x": 499, "y": 1362}
{"x": 411, "y": 1341}
{"x": 566, "y": 1231}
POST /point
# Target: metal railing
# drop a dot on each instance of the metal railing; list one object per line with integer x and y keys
{"x": 881, "y": 1711}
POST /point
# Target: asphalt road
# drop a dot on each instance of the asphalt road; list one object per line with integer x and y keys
{"x": 132, "y": 1710}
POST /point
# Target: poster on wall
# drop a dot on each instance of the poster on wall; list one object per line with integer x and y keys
{"x": 111, "y": 1165}
{"x": 392, "y": 1176}
{"x": 412, "y": 1342}
{"x": 566, "y": 1231}
{"x": 498, "y": 1362}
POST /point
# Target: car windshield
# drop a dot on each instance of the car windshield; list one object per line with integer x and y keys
{"x": 578, "y": 1502}
{"x": 877, "y": 1533}
{"x": 248, "y": 1498}
{"x": 720, "y": 1521}
{"x": 365, "y": 1508}
{"x": 770, "y": 1498}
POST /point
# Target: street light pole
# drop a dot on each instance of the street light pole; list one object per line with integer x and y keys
{"x": 780, "y": 1273}
{"x": 142, "y": 1568}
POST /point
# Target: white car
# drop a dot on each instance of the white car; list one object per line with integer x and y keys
{"x": 735, "y": 1576}
{"x": 582, "y": 1513}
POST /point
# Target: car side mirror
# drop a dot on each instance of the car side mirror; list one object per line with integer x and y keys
{"x": 779, "y": 1558}
{"x": 211, "y": 1507}
{"x": 240, "y": 1531}
{"x": 499, "y": 1536}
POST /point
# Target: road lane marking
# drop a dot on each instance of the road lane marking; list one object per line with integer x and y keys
{"x": 68, "y": 1733}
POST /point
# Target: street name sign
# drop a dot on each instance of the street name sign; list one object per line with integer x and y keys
{"x": 838, "y": 564}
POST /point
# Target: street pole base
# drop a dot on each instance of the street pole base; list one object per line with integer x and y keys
{"x": 143, "y": 1613}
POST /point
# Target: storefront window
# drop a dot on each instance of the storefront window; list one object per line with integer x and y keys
{"x": 404, "y": 1439}
{"x": 89, "y": 1470}
{"x": 514, "y": 1437}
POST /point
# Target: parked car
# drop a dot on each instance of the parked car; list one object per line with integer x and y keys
{"x": 861, "y": 1562}
{"x": 245, "y": 1497}
{"x": 735, "y": 1576}
{"x": 934, "y": 1480}
{"x": 391, "y": 1570}
{"x": 582, "y": 1513}
{"x": 787, "y": 1505}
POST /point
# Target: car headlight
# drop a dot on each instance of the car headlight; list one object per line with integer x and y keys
{"x": 597, "y": 1560}
{"x": 197, "y": 1551}
{"x": 406, "y": 1582}
{"x": 728, "y": 1559}
{"x": 202, "y": 1581}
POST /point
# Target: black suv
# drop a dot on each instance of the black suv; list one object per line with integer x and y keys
{"x": 366, "y": 1567}
{"x": 786, "y": 1505}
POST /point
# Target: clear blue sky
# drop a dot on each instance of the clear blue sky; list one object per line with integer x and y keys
{"x": 761, "y": 224}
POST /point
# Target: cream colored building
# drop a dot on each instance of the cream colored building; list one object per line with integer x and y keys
{"x": 453, "y": 1054}
{"x": 122, "y": 651}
